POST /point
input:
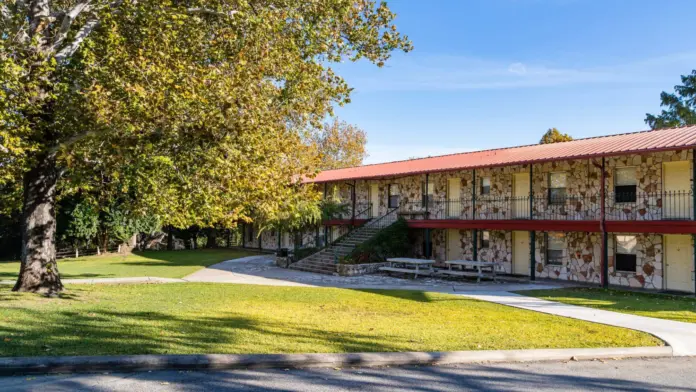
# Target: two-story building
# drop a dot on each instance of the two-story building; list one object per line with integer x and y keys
{"x": 612, "y": 210}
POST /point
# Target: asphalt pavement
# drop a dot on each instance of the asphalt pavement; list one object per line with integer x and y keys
{"x": 665, "y": 374}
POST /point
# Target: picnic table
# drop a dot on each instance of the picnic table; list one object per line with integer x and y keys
{"x": 409, "y": 266}
{"x": 477, "y": 266}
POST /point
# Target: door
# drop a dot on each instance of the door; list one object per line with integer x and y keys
{"x": 374, "y": 199}
{"x": 676, "y": 180}
{"x": 520, "y": 194}
{"x": 454, "y": 202}
{"x": 679, "y": 263}
{"x": 454, "y": 245}
{"x": 520, "y": 253}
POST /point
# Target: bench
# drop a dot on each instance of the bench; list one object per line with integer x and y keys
{"x": 481, "y": 269}
{"x": 409, "y": 266}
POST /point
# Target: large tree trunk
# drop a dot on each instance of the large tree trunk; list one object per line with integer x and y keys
{"x": 212, "y": 238}
{"x": 170, "y": 238}
{"x": 39, "y": 272}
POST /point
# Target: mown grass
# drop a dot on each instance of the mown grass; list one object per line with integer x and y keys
{"x": 643, "y": 304}
{"x": 163, "y": 264}
{"x": 190, "y": 318}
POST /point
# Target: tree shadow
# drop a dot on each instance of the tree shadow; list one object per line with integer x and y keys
{"x": 105, "y": 332}
{"x": 493, "y": 377}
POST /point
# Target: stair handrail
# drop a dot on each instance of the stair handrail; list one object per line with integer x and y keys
{"x": 351, "y": 231}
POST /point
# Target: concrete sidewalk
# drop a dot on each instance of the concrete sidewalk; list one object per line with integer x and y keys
{"x": 680, "y": 336}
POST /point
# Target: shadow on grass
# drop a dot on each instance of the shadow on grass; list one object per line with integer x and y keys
{"x": 104, "y": 332}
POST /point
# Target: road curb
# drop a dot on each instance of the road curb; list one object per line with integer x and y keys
{"x": 129, "y": 363}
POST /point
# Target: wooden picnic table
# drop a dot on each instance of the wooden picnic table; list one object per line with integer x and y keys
{"x": 478, "y": 267}
{"x": 409, "y": 266}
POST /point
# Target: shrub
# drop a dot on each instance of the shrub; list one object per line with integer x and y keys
{"x": 390, "y": 242}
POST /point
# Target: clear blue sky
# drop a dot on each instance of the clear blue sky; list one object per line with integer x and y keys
{"x": 497, "y": 73}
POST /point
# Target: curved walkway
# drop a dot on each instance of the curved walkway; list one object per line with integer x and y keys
{"x": 681, "y": 336}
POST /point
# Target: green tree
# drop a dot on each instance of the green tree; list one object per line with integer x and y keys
{"x": 190, "y": 108}
{"x": 83, "y": 225}
{"x": 339, "y": 145}
{"x": 681, "y": 106}
{"x": 553, "y": 135}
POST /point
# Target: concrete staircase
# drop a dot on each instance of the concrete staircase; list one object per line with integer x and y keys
{"x": 324, "y": 261}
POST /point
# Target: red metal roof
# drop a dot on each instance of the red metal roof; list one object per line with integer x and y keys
{"x": 645, "y": 141}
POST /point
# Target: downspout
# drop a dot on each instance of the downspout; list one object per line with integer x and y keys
{"x": 532, "y": 234}
{"x": 603, "y": 229}
{"x": 428, "y": 251}
{"x": 473, "y": 216}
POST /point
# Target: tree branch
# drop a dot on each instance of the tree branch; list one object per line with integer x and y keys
{"x": 81, "y": 35}
{"x": 198, "y": 10}
{"x": 68, "y": 19}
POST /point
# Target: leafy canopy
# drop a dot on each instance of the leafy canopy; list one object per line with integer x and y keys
{"x": 553, "y": 135}
{"x": 681, "y": 106}
{"x": 189, "y": 110}
{"x": 339, "y": 145}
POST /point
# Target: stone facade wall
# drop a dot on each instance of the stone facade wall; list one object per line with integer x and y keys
{"x": 583, "y": 190}
{"x": 581, "y": 258}
{"x": 649, "y": 267}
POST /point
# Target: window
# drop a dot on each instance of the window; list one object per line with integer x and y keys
{"x": 393, "y": 196}
{"x": 557, "y": 188}
{"x": 485, "y": 239}
{"x": 428, "y": 192}
{"x": 555, "y": 243}
{"x": 625, "y": 185}
{"x": 625, "y": 260}
{"x": 486, "y": 186}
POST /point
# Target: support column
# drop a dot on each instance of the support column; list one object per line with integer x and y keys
{"x": 428, "y": 251}
{"x": 260, "y": 237}
{"x": 693, "y": 210}
{"x": 532, "y": 234}
{"x": 280, "y": 235}
{"x": 352, "y": 220}
{"x": 603, "y": 229}
{"x": 243, "y": 235}
{"x": 532, "y": 255}
{"x": 474, "y": 232}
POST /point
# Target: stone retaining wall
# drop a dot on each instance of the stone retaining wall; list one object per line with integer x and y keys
{"x": 359, "y": 269}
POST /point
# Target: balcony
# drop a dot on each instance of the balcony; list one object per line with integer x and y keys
{"x": 676, "y": 206}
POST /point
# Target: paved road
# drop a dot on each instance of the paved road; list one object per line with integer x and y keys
{"x": 671, "y": 374}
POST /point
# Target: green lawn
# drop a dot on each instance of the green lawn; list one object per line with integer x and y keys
{"x": 163, "y": 264}
{"x": 643, "y": 304}
{"x": 187, "y": 318}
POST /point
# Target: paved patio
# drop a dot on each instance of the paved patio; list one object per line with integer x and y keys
{"x": 262, "y": 270}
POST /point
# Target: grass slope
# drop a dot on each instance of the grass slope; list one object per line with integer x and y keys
{"x": 642, "y": 304}
{"x": 221, "y": 318}
{"x": 163, "y": 264}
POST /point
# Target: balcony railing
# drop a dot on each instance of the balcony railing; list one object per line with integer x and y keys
{"x": 362, "y": 211}
{"x": 630, "y": 206}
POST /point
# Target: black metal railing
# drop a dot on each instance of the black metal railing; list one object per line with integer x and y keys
{"x": 668, "y": 205}
{"x": 677, "y": 205}
{"x": 363, "y": 211}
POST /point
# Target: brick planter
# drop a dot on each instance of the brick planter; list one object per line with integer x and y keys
{"x": 359, "y": 269}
